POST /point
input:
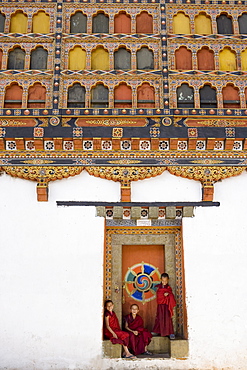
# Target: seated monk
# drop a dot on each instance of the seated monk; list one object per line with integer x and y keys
{"x": 112, "y": 329}
{"x": 139, "y": 337}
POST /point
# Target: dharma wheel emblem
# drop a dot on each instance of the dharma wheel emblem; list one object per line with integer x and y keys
{"x": 140, "y": 281}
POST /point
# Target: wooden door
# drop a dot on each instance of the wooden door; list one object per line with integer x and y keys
{"x": 142, "y": 266}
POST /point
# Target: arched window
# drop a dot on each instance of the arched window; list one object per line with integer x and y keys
{"x": 41, "y": 22}
{"x": 2, "y": 22}
{"x": 144, "y": 23}
{"x": 244, "y": 60}
{"x": 78, "y": 23}
{"x": 101, "y": 23}
{"x": 122, "y": 59}
{"x": 36, "y": 96}
{"x": 18, "y": 23}
{"x": 122, "y": 23}
{"x": 185, "y": 96}
{"x": 123, "y": 96}
{"x": 183, "y": 58}
{"x": 208, "y": 97}
{"x": 13, "y": 96}
{"x": 205, "y": 59}
{"x": 39, "y": 58}
{"x": 145, "y": 58}
{"x": 231, "y": 97}
{"x": 99, "y": 96}
{"x": 100, "y": 59}
{"x": 227, "y": 58}
{"x": 145, "y": 96}
{"x": 181, "y": 23}
{"x": 16, "y": 59}
{"x": 203, "y": 24}
{"x": 224, "y": 24}
{"x": 77, "y": 59}
{"x": 76, "y": 96}
{"x": 242, "y": 23}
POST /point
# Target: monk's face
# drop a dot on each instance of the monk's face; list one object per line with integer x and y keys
{"x": 109, "y": 306}
{"x": 164, "y": 280}
{"x": 134, "y": 310}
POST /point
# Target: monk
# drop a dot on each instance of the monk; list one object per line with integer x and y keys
{"x": 112, "y": 329}
{"x": 166, "y": 302}
{"x": 139, "y": 338}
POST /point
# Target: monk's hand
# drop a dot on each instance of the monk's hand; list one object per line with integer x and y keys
{"x": 135, "y": 332}
{"x": 166, "y": 294}
{"x": 115, "y": 335}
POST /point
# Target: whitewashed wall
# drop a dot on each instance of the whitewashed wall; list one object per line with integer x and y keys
{"x": 51, "y": 274}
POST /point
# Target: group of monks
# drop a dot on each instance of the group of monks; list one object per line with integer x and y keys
{"x": 135, "y": 338}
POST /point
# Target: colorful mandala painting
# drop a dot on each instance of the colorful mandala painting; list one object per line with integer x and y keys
{"x": 140, "y": 281}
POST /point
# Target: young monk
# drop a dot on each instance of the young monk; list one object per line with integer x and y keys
{"x": 166, "y": 302}
{"x": 112, "y": 329}
{"x": 139, "y": 338}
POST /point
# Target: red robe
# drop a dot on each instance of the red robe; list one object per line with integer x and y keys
{"x": 138, "y": 342}
{"x": 163, "y": 321}
{"x": 122, "y": 336}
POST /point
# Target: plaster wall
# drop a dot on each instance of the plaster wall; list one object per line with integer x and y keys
{"x": 51, "y": 275}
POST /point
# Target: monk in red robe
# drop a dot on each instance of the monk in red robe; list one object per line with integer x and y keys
{"x": 139, "y": 337}
{"x": 166, "y": 302}
{"x": 112, "y": 329}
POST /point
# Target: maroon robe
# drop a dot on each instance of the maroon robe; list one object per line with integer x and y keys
{"x": 163, "y": 321}
{"x": 137, "y": 343}
{"x": 122, "y": 336}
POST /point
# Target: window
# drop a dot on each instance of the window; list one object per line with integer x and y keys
{"x": 208, "y": 97}
{"x": 99, "y": 96}
{"x": 145, "y": 96}
{"x": 122, "y": 59}
{"x": 41, "y": 23}
{"x": 185, "y": 96}
{"x": 100, "y": 59}
{"x": 123, "y": 96}
{"x": 122, "y": 23}
{"x": 144, "y": 23}
{"x": 183, "y": 58}
{"x": 203, "y": 24}
{"x": 205, "y": 59}
{"x": 181, "y": 24}
{"x": 2, "y": 22}
{"x": 13, "y": 96}
{"x": 76, "y": 96}
{"x": 227, "y": 59}
{"x": 145, "y": 58}
{"x": 36, "y": 96}
{"x": 77, "y": 59}
{"x": 231, "y": 97}
{"x": 16, "y": 59}
{"x": 18, "y": 23}
{"x": 78, "y": 23}
{"x": 39, "y": 58}
{"x": 224, "y": 24}
{"x": 242, "y": 23}
{"x": 101, "y": 23}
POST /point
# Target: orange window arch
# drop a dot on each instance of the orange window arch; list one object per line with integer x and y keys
{"x": 205, "y": 59}
{"x": 145, "y": 96}
{"x": 231, "y": 97}
{"x": 36, "y": 96}
{"x": 183, "y": 58}
{"x": 13, "y": 96}
{"x": 123, "y": 96}
{"x": 144, "y": 23}
{"x": 122, "y": 23}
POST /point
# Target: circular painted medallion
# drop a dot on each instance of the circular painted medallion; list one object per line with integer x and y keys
{"x": 140, "y": 281}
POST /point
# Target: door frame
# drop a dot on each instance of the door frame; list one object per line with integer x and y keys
{"x": 171, "y": 238}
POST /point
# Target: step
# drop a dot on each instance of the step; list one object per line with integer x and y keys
{"x": 111, "y": 350}
{"x": 159, "y": 345}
